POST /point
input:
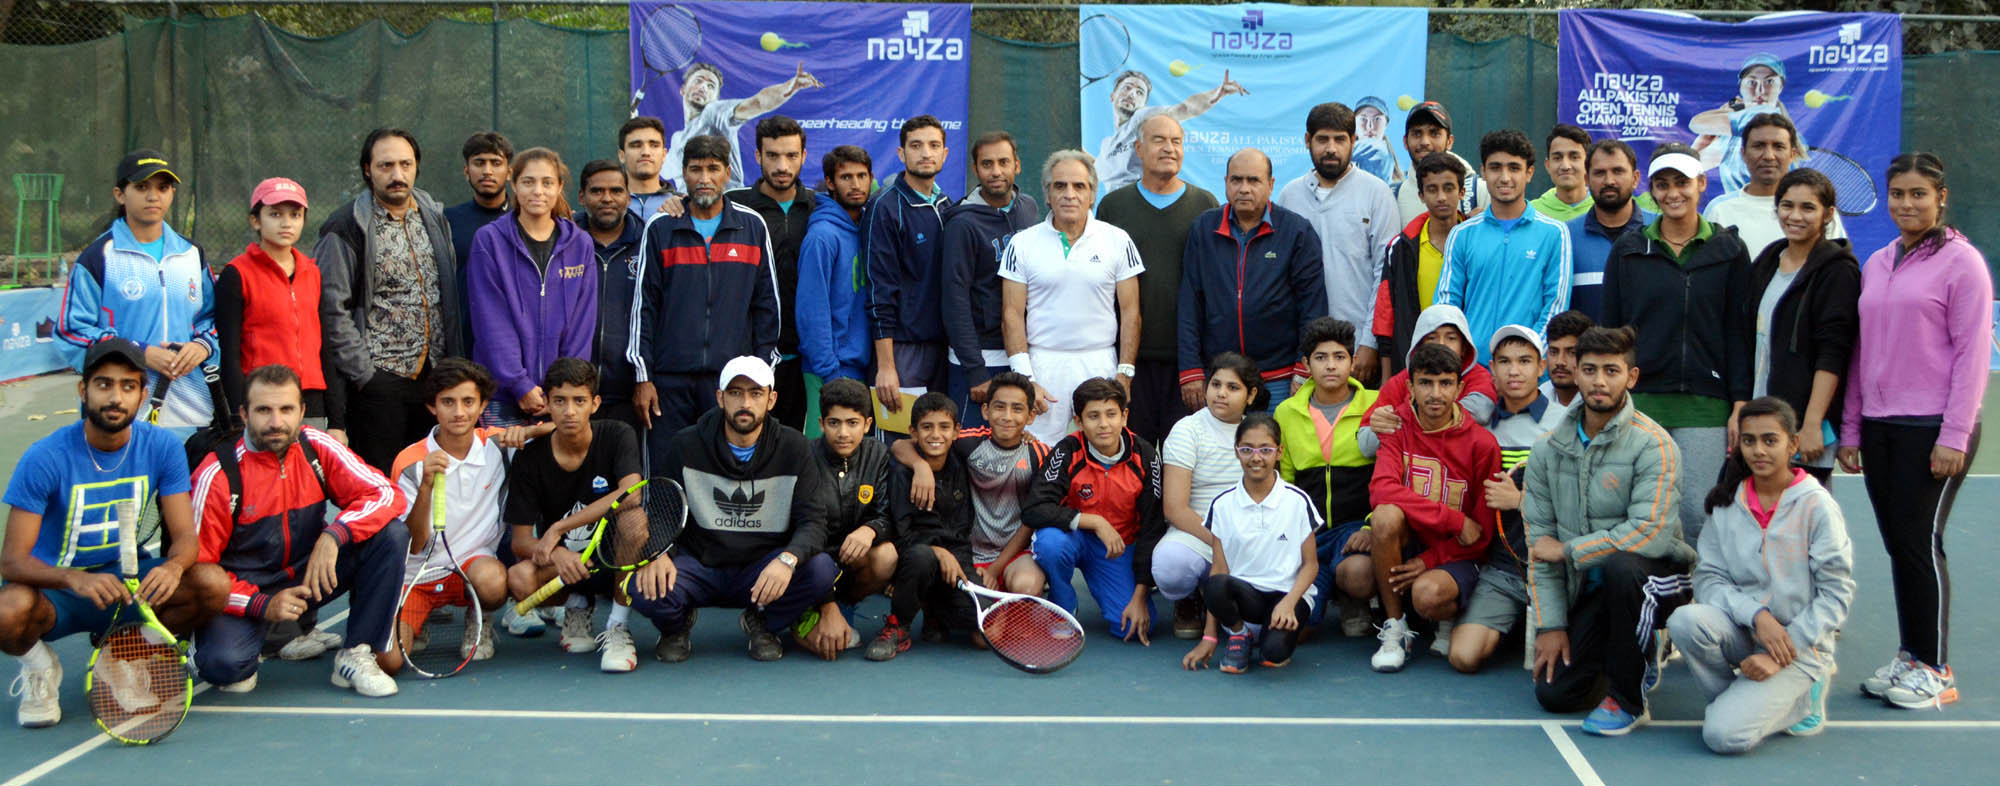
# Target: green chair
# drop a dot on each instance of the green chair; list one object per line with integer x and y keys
{"x": 36, "y": 191}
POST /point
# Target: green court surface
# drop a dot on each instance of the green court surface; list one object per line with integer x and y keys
{"x": 946, "y": 714}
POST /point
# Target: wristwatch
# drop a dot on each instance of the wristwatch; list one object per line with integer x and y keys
{"x": 1126, "y": 369}
{"x": 789, "y": 559}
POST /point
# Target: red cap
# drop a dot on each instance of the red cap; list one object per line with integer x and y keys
{"x": 277, "y": 191}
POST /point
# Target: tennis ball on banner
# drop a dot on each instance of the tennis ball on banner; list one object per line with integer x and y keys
{"x": 1404, "y": 102}
{"x": 1816, "y": 98}
{"x": 772, "y": 42}
{"x": 1180, "y": 68}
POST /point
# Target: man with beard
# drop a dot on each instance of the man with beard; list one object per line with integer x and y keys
{"x": 1117, "y": 164}
{"x": 1563, "y": 331}
{"x": 615, "y": 233}
{"x": 389, "y": 299}
{"x": 758, "y": 507}
{"x": 832, "y": 309}
{"x": 1611, "y": 172}
{"x": 1427, "y": 130}
{"x": 906, "y": 282}
{"x": 489, "y": 160}
{"x": 264, "y": 501}
{"x": 975, "y": 232}
{"x": 60, "y": 562}
{"x": 1354, "y": 214}
{"x": 707, "y": 291}
{"x": 642, "y": 145}
{"x": 704, "y": 114}
{"x": 786, "y": 208}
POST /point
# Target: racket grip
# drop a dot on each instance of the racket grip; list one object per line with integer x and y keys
{"x": 437, "y": 503}
{"x": 547, "y": 591}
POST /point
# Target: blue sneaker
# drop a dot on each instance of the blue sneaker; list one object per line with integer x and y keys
{"x": 1815, "y": 720}
{"x": 1611, "y": 720}
{"x": 1236, "y": 653}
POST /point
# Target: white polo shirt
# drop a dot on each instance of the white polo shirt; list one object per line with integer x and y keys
{"x": 1072, "y": 287}
{"x": 475, "y": 491}
{"x": 1261, "y": 539}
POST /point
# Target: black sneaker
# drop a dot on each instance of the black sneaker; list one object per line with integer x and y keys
{"x": 892, "y": 641}
{"x": 764, "y": 645}
{"x": 1188, "y": 617}
{"x": 676, "y": 647}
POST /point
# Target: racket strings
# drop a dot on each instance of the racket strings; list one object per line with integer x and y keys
{"x": 1032, "y": 635}
{"x": 670, "y": 38}
{"x": 138, "y": 688}
{"x": 447, "y": 636}
{"x": 1110, "y": 46}
{"x": 635, "y": 542}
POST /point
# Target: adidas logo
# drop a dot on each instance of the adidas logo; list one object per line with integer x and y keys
{"x": 1282, "y": 537}
{"x": 732, "y": 252}
{"x": 739, "y": 510}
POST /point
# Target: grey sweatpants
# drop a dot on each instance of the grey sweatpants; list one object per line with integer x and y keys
{"x": 1741, "y": 711}
{"x": 1703, "y": 451}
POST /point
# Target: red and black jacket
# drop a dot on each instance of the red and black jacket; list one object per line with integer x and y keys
{"x": 263, "y": 533}
{"x": 1252, "y": 297}
{"x": 701, "y": 302}
{"x": 1127, "y": 494}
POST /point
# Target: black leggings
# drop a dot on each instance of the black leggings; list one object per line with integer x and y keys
{"x": 1234, "y": 601}
{"x": 1911, "y": 508}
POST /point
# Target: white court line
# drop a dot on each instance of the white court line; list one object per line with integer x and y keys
{"x": 97, "y": 740}
{"x": 1578, "y": 765}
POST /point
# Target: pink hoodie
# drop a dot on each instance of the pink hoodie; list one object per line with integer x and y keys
{"x": 1922, "y": 346}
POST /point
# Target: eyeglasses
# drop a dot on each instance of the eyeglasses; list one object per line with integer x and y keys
{"x": 1247, "y": 451}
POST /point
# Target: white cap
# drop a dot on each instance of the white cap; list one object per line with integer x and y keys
{"x": 746, "y": 366}
{"x": 1515, "y": 331}
{"x": 1679, "y": 162}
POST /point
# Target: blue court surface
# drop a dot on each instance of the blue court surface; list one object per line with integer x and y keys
{"x": 947, "y": 714}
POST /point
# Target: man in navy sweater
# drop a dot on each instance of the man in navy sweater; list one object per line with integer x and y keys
{"x": 904, "y": 225}
{"x": 975, "y": 232}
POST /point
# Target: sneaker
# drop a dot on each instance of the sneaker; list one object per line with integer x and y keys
{"x": 129, "y": 687}
{"x": 1611, "y": 720}
{"x": 1355, "y": 621}
{"x": 478, "y": 638}
{"x": 1236, "y": 654}
{"x": 619, "y": 654}
{"x": 1655, "y": 666}
{"x": 764, "y": 645}
{"x": 41, "y": 695}
{"x": 1815, "y": 720}
{"x": 526, "y": 626}
{"x": 355, "y": 667}
{"x": 312, "y": 644}
{"x": 1395, "y": 636}
{"x": 244, "y": 685}
{"x": 1189, "y": 618}
{"x": 679, "y": 646}
{"x": 1922, "y": 686}
{"x": 1879, "y": 683}
{"x": 1441, "y": 643}
{"x": 577, "y": 637}
{"x": 892, "y": 641}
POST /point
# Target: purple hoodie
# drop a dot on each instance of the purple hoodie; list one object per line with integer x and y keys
{"x": 1921, "y": 350}
{"x": 526, "y": 319}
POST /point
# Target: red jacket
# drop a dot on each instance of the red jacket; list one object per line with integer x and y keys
{"x": 281, "y": 512}
{"x": 1437, "y": 478}
{"x": 1127, "y": 494}
{"x": 265, "y": 317}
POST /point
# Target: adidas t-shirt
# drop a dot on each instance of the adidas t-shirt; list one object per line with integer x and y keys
{"x": 1072, "y": 287}
{"x": 1000, "y": 479}
{"x": 540, "y": 492}
{"x": 1261, "y": 539}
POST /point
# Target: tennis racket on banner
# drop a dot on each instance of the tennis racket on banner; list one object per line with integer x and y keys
{"x": 138, "y": 683}
{"x": 1029, "y": 633}
{"x": 668, "y": 38}
{"x": 1853, "y": 187}
{"x": 431, "y": 646}
{"x": 663, "y": 504}
{"x": 1105, "y": 47}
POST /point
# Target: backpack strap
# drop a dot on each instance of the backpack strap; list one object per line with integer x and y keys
{"x": 319, "y": 472}
{"x": 225, "y": 458}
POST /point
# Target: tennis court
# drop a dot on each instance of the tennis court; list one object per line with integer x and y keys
{"x": 949, "y": 714}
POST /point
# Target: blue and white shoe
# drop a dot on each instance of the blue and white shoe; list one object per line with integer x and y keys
{"x": 1611, "y": 720}
{"x": 1236, "y": 653}
{"x": 1815, "y": 720}
{"x": 526, "y": 626}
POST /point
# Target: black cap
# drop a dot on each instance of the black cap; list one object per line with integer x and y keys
{"x": 113, "y": 348}
{"x": 1435, "y": 110}
{"x": 141, "y": 164}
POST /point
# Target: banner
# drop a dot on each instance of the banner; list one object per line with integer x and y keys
{"x": 849, "y": 73}
{"x": 1244, "y": 76}
{"x": 27, "y": 332}
{"x": 1649, "y": 77}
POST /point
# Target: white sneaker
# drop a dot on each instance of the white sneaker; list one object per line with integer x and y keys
{"x": 312, "y": 644}
{"x": 128, "y": 684}
{"x": 244, "y": 685}
{"x": 576, "y": 635}
{"x": 41, "y": 695}
{"x": 1354, "y": 618}
{"x": 1395, "y": 636}
{"x": 619, "y": 654}
{"x": 1922, "y": 687}
{"x": 355, "y": 667}
{"x": 1878, "y": 683}
{"x": 1441, "y": 645}
{"x": 526, "y": 626}
{"x": 478, "y": 638}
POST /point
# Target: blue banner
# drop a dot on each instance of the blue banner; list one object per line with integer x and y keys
{"x": 1241, "y": 76}
{"x": 27, "y": 332}
{"x": 1650, "y": 77}
{"x": 850, "y": 73}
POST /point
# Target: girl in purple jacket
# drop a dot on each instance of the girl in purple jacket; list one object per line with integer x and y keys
{"x": 532, "y": 282}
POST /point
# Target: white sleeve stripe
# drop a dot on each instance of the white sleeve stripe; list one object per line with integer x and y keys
{"x": 326, "y": 446}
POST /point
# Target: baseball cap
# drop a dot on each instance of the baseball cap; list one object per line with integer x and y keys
{"x": 1368, "y": 101}
{"x": 277, "y": 191}
{"x": 1432, "y": 110}
{"x": 113, "y": 348}
{"x": 1677, "y": 157}
{"x": 141, "y": 164}
{"x": 1515, "y": 331}
{"x": 746, "y": 366}
{"x": 1766, "y": 60}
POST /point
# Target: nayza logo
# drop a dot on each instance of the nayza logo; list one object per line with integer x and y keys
{"x": 1848, "y": 50}
{"x": 916, "y": 42}
{"x": 1251, "y": 38}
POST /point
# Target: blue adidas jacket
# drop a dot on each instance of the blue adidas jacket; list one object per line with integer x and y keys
{"x": 115, "y": 289}
{"x": 1251, "y": 297}
{"x": 1506, "y": 272}
{"x": 974, "y": 235}
{"x": 906, "y": 281}
{"x": 832, "y": 309}
{"x": 700, "y": 303}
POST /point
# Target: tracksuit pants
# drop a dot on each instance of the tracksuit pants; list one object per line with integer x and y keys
{"x": 1741, "y": 711}
{"x": 1234, "y": 602}
{"x": 1911, "y": 508}
{"x": 370, "y": 572}
{"x": 1624, "y": 599}
{"x": 1703, "y": 452}
{"x": 697, "y": 585}
{"x": 1156, "y": 400}
{"x": 959, "y": 387}
{"x": 1061, "y": 553}
{"x": 920, "y": 587}
{"x": 1059, "y": 372}
{"x": 683, "y": 398}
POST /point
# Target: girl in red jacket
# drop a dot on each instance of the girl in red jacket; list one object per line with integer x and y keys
{"x": 267, "y": 304}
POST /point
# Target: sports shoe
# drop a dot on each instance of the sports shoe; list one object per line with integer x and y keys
{"x": 577, "y": 637}
{"x": 1189, "y": 618}
{"x": 129, "y": 687}
{"x": 1355, "y": 621}
{"x": 1922, "y": 686}
{"x": 1656, "y": 665}
{"x": 526, "y": 626}
{"x": 1879, "y": 682}
{"x": 677, "y": 647}
{"x": 1815, "y": 720}
{"x": 619, "y": 654}
{"x": 1395, "y": 636}
{"x": 355, "y": 667}
{"x": 478, "y": 637}
{"x": 892, "y": 641}
{"x": 764, "y": 645}
{"x": 1441, "y": 643}
{"x": 1611, "y": 720}
{"x": 1236, "y": 653}
{"x": 41, "y": 695}
{"x": 245, "y": 685}
{"x": 311, "y": 644}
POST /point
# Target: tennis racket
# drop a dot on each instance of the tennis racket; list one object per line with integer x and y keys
{"x": 1853, "y": 187}
{"x": 147, "y": 534}
{"x": 668, "y": 39}
{"x": 632, "y": 542}
{"x": 1029, "y": 633}
{"x": 138, "y": 683}
{"x": 1105, "y": 45}
{"x": 432, "y": 647}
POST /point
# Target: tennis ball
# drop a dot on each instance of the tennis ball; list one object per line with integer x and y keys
{"x": 1179, "y": 68}
{"x": 770, "y": 42}
{"x": 1404, "y": 102}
